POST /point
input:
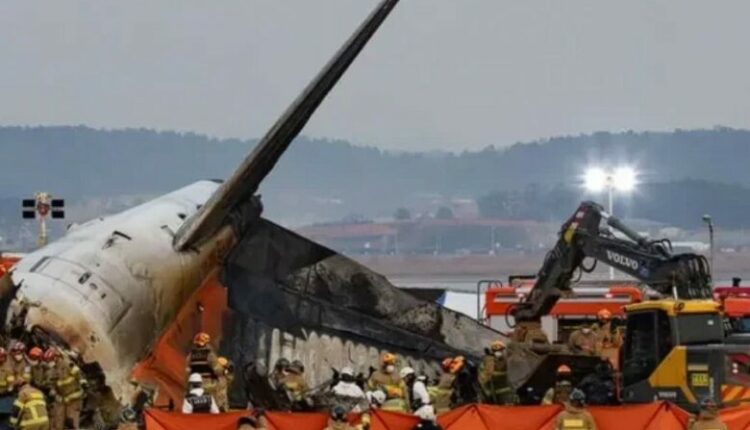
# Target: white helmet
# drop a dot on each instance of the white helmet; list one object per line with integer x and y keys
{"x": 347, "y": 371}
{"x": 195, "y": 378}
{"x": 426, "y": 412}
{"x": 376, "y": 397}
{"x": 406, "y": 371}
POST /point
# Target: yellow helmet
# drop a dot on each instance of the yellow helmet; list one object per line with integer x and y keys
{"x": 497, "y": 345}
{"x": 223, "y": 362}
{"x": 389, "y": 358}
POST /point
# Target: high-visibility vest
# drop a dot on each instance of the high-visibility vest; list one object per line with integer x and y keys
{"x": 201, "y": 404}
{"x": 29, "y": 409}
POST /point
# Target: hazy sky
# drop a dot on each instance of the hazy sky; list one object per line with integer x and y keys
{"x": 441, "y": 74}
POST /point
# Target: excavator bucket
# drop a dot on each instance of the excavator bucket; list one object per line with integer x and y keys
{"x": 532, "y": 368}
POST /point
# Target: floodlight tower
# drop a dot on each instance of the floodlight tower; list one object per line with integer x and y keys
{"x": 623, "y": 179}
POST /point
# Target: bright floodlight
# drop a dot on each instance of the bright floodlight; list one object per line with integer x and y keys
{"x": 624, "y": 179}
{"x": 595, "y": 179}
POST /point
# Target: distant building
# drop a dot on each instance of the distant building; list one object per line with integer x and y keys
{"x": 428, "y": 236}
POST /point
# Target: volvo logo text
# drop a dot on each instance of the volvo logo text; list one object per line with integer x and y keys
{"x": 622, "y": 260}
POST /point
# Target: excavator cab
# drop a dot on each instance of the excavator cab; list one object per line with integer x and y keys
{"x": 673, "y": 351}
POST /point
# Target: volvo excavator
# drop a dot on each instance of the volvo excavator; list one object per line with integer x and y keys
{"x": 675, "y": 348}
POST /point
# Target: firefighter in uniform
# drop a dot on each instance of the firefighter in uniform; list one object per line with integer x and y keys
{"x": 387, "y": 380}
{"x": 198, "y": 400}
{"x": 225, "y": 370}
{"x": 294, "y": 384}
{"x": 29, "y": 410}
{"x": 606, "y": 335}
{"x": 55, "y": 407}
{"x": 68, "y": 392}
{"x": 18, "y": 365}
{"x": 203, "y": 361}
{"x": 574, "y": 416}
{"x": 584, "y": 341}
{"x": 442, "y": 393}
{"x": 708, "y": 417}
{"x": 560, "y": 393}
{"x": 37, "y": 369}
{"x": 6, "y": 374}
{"x": 493, "y": 376}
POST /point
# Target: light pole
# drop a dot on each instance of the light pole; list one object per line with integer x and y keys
{"x": 623, "y": 179}
{"x": 710, "y": 223}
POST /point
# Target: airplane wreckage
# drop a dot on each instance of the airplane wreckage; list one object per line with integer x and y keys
{"x": 124, "y": 294}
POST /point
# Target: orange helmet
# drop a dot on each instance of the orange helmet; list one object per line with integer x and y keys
{"x": 201, "y": 339}
{"x": 3, "y": 354}
{"x": 35, "y": 353}
{"x": 18, "y": 348}
{"x": 458, "y": 364}
{"x": 497, "y": 345}
{"x": 446, "y": 364}
{"x": 223, "y": 362}
{"x": 564, "y": 370}
{"x": 50, "y": 355}
{"x": 389, "y": 358}
{"x": 604, "y": 314}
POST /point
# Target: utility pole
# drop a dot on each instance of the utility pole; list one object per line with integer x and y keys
{"x": 710, "y": 223}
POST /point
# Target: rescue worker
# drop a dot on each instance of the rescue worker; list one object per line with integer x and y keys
{"x": 388, "y": 381}
{"x": 607, "y": 337}
{"x": 338, "y": 419}
{"x": 225, "y": 371}
{"x": 584, "y": 341}
{"x": 427, "y": 420}
{"x": 55, "y": 407}
{"x": 68, "y": 391}
{"x": 29, "y": 410}
{"x": 203, "y": 361}
{"x": 18, "y": 365}
{"x": 198, "y": 401}
{"x": 416, "y": 389}
{"x": 347, "y": 391}
{"x": 560, "y": 393}
{"x": 493, "y": 376}
{"x": 376, "y": 398}
{"x": 708, "y": 417}
{"x": 37, "y": 369}
{"x": 574, "y": 416}
{"x": 280, "y": 371}
{"x": 442, "y": 393}
{"x": 6, "y": 374}
{"x": 295, "y": 386}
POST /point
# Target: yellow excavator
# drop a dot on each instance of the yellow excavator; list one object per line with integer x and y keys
{"x": 676, "y": 348}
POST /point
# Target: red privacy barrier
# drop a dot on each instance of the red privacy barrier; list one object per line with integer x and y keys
{"x": 655, "y": 416}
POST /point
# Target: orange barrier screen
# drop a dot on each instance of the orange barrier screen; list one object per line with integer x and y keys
{"x": 165, "y": 367}
{"x": 655, "y": 416}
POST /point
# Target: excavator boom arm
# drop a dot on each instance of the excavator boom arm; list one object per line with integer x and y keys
{"x": 652, "y": 262}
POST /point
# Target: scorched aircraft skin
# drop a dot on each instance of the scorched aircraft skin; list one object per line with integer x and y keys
{"x": 110, "y": 287}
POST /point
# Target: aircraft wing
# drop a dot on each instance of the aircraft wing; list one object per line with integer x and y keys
{"x": 243, "y": 184}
